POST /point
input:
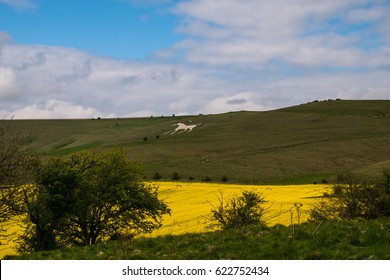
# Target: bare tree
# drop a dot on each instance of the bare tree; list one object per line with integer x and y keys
{"x": 16, "y": 160}
{"x": 15, "y": 156}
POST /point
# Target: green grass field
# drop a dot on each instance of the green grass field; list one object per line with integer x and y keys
{"x": 347, "y": 240}
{"x": 301, "y": 144}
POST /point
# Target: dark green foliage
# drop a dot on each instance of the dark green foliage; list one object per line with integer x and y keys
{"x": 355, "y": 196}
{"x": 175, "y": 176}
{"x": 157, "y": 176}
{"x": 238, "y": 211}
{"x": 87, "y": 198}
{"x": 206, "y": 179}
{"x": 383, "y": 188}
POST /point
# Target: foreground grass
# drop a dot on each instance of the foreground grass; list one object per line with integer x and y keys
{"x": 357, "y": 239}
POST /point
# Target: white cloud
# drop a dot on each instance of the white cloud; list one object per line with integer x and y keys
{"x": 366, "y": 93}
{"x": 235, "y": 55}
{"x": 320, "y": 86}
{"x": 32, "y": 74}
{"x": 54, "y": 109}
{"x": 248, "y": 101}
{"x": 232, "y": 32}
{"x": 7, "y": 81}
{"x": 255, "y": 18}
{"x": 368, "y": 14}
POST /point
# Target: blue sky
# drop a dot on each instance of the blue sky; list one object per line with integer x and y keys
{"x": 117, "y": 58}
{"x": 103, "y": 27}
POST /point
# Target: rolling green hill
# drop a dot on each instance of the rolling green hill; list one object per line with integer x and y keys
{"x": 299, "y": 144}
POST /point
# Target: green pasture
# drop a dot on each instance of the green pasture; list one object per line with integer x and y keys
{"x": 302, "y": 144}
{"x": 331, "y": 240}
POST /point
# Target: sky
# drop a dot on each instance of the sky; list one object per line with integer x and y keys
{"x": 134, "y": 58}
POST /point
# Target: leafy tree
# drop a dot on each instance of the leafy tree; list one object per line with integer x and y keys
{"x": 48, "y": 203}
{"x": 238, "y": 211}
{"x": 87, "y": 198}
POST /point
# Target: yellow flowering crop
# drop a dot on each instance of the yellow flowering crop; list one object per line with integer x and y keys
{"x": 10, "y": 232}
{"x": 192, "y": 202}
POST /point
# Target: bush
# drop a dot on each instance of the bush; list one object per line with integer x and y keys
{"x": 238, "y": 211}
{"x": 355, "y": 196}
{"x": 157, "y": 176}
{"x": 175, "y": 176}
{"x": 206, "y": 179}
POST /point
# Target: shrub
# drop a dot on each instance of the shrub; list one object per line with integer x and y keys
{"x": 206, "y": 179}
{"x": 355, "y": 196}
{"x": 238, "y": 211}
{"x": 157, "y": 176}
{"x": 224, "y": 179}
{"x": 175, "y": 176}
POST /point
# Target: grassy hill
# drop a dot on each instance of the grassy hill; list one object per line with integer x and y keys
{"x": 299, "y": 144}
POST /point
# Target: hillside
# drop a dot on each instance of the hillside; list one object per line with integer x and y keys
{"x": 299, "y": 144}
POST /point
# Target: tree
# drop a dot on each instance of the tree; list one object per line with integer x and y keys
{"x": 238, "y": 211}
{"x": 15, "y": 157}
{"x": 87, "y": 198}
{"x": 16, "y": 163}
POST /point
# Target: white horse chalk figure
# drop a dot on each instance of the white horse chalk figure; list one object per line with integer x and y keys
{"x": 182, "y": 126}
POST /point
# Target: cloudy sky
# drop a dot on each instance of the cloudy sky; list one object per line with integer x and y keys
{"x": 118, "y": 58}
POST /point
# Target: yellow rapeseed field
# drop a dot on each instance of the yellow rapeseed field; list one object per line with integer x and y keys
{"x": 12, "y": 229}
{"x": 192, "y": 202}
